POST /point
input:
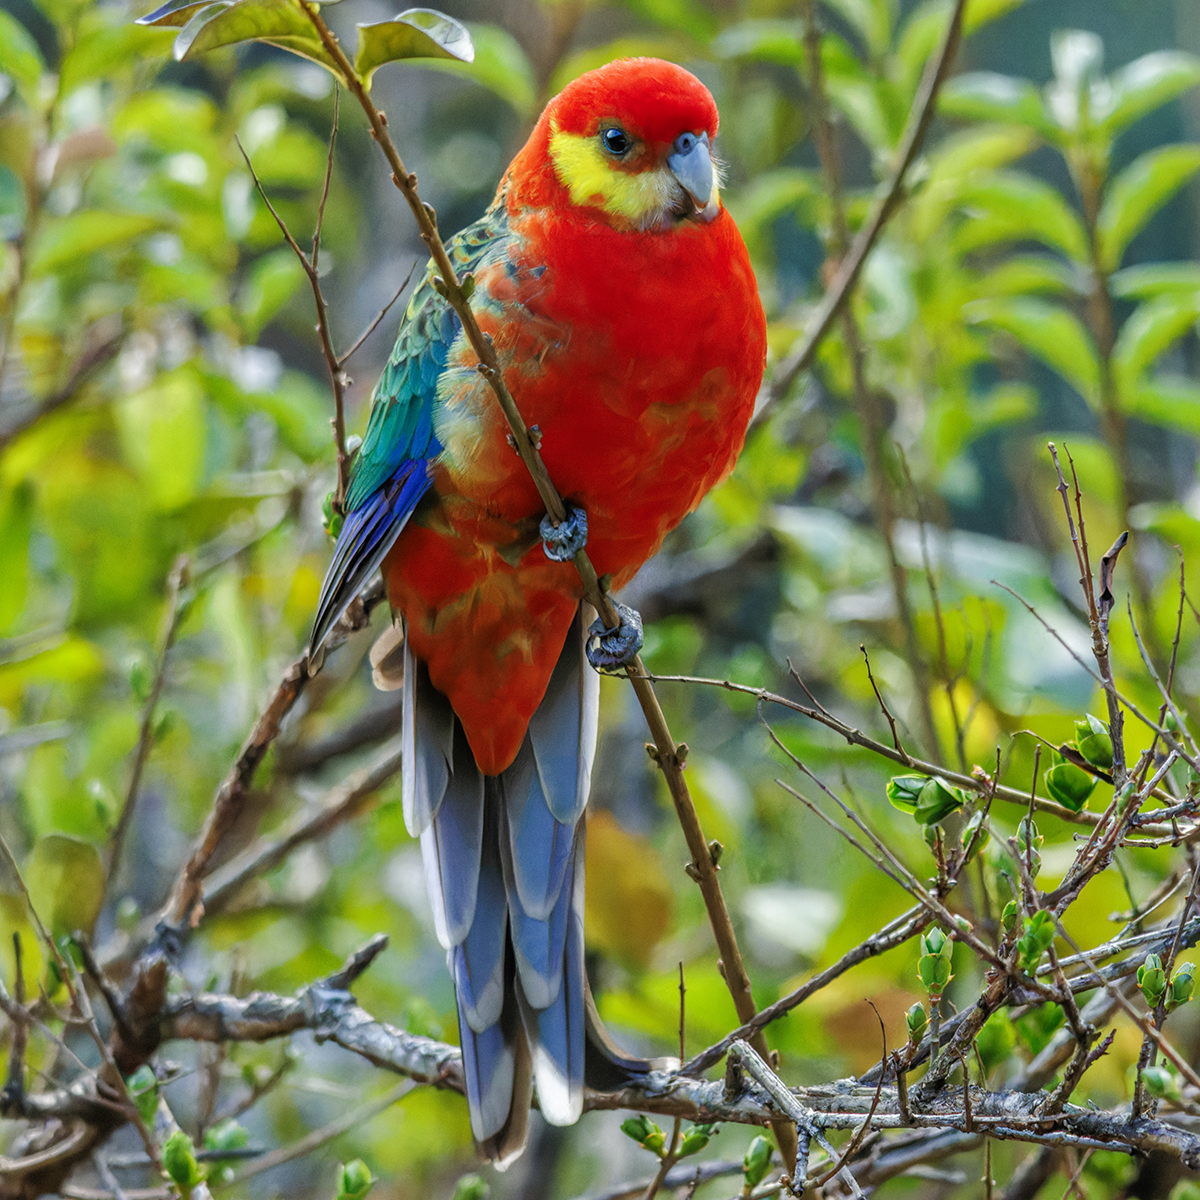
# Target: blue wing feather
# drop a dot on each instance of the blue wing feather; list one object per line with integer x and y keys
{"x": 391, "y": 471}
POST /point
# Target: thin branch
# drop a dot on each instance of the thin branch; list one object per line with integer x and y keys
{"x": 176, "y": 581}
{"x": 318, "y": 1137}
{"x": 88, "y": 364}
{"x": 182, "y": 907}
{"x": 337, "y": 376}
{"x": 383, "y": 312}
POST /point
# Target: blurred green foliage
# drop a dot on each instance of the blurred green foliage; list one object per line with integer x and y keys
{"x": 161, "y": 394}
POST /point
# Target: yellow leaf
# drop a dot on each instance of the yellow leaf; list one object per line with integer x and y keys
{"x": 629, "y": 900}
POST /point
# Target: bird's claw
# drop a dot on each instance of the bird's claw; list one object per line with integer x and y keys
{"x": 564, "y": 540}
{"x": 608, "y": 649}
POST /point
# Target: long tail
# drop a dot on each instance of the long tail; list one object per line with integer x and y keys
{"x": 504, "y": 863}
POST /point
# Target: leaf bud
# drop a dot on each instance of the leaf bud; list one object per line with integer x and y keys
{"x": 1182, "y": 984}
{"x": 1094, "y": 742}
{"x": 1008, "y": 918}
{"x": 1028, "y": 841}
{"x": 471, "y": 1187}
{"x": 179, "y": 1159}
{"x": 1068, "y": 784}
{"x": 916, "y": 1021}
{"x": 929, "y": 800}
{"x": 1152, "y": 980}
{"x": 695, "y": 1139}
{"x": 355, "y": 1181}
{"x": 933, "y": 967}
{"x": 1036, "y": 935}
{"x": 1161, "y": 1083}
{"x": 933, "y": 941}
{"x": 332, "y": 520}
{"x": 975, "y": 837}
{"x": 644, "y": 1131}
{"x": 757, "y": 1162}
{"x": 143, "y": 1091}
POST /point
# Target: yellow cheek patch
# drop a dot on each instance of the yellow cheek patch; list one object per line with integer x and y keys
{"x": 593, "y": 180}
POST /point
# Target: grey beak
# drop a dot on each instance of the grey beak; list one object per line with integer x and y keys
{"x": 690, "y": 163}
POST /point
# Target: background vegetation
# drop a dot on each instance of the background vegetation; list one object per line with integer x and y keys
{"x": 165, "y": 453}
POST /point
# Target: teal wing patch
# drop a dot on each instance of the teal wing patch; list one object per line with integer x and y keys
{"x": 392, "y": 469}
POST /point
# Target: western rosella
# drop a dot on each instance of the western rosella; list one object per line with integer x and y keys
{"x": 620, "y": 299}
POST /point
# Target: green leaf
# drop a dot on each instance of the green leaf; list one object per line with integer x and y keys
{"x": 277, "y": 22}
{"x": 762, "y": 40}
{"x": 500, "y": 65}
{"x": 142, "y": 1086}
{"x": 1166, "y": 400}
{"x": 1140, "y": 190}
{"x": 983, "y": 12}
{"x": 272, "y": 282}
{"x": 173, "y": 14}
{"x": 1146, "y": 84}
{"x": 354, "y": 1180}
{"x": 66, "y": 883}
{"x": 66, "y": 240}
{"x": 986, "y": 96}
{"x": 1148, "y": 280}
{"x": 1017, "y": 207}
{"x": 16, "y": 526}
{"x": 415, "y": 33}
{"x": 163, "y": 434}
{"x": 871, "y": 18}
{"x": 20, "y": 58}
{"x": 1051, "y": 334}
{"x": 1154, "y": 326}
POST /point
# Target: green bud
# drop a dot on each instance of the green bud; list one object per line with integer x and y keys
{"x": 929, "y": 800}
{"x": 916, "y": 1021}
{"x": 332, "y": 520}
{"x": 1036, "y": 935}
{"x": 355, "y": 1181}
{"x": 1070, "y": 785}
{"x": 228, "y": 1135}
{"x": 1169, "y": 722}
{"x": 695, "y": 1139}
{"x": 1182, "y": 984}
{"x": 1152, "y": 980}
{"x": 139, "y": 680}
{"x": 933, "y": 941}
{"x": 471, "y": 1187}
{"x": 143, "y": 1091}
{"x": 179, "y": 1159}
{"x": 1161, "y": 1084}
{"x": 757, "y": 1162}
{"x": 933, "y": 967}
{"x": 975, "y": 831}
{"x": 1093, "y": 741}
{"x": 645, "y": 1133}
{"x": 1008, "y": 918}
{"x": 1028, "y": 841}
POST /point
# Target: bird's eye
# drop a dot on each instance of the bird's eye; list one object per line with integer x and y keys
{"x": 616, "y": 141}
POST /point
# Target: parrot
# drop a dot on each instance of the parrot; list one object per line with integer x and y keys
{"x": 624, "y": 312}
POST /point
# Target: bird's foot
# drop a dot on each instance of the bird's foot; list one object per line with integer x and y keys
{"x": 608, "y": 649}
{"x": 564, "y": 540}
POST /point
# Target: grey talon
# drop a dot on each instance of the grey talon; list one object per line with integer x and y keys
{"x": 564, "y": 540}
{"x": 608, "y": 649}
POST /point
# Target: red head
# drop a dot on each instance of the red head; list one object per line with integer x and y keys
{"x": 629, "y": 141}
